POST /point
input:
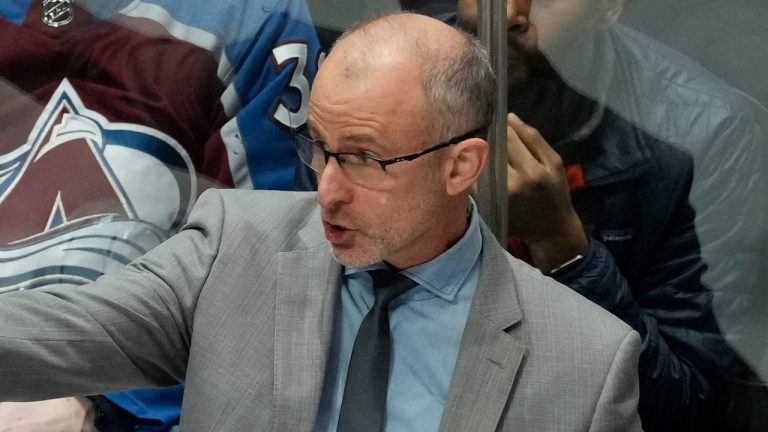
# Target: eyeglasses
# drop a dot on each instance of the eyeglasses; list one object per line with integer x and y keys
{"x": 360, "y": 168}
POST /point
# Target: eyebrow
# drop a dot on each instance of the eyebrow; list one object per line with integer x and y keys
{"x": 359, "y": 138}
{"x": 349, "y": 139}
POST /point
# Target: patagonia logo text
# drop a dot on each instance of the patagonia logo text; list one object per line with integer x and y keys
{"x": 617, "y": 235}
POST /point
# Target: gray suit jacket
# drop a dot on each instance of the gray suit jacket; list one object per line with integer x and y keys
{"x": 240, "y": 304}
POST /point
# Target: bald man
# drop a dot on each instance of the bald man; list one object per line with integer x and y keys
{"x": 264, "y": 301}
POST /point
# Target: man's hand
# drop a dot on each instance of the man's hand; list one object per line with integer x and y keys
{"x": 540, "y": 210}
{"x": 74, "y": 414}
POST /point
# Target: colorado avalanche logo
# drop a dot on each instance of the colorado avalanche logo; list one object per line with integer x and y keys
{"x": 84, "y": 196}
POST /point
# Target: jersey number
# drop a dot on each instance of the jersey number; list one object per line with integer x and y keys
{"x": 284, "y": 55}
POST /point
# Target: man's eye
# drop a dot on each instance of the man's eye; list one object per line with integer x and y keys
{"x": 359, "y": 159}
{"x": 367, "y": 157}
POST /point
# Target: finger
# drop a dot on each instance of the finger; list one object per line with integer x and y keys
{"x": 518, "y": 155}
{"x": 537, "y": 146}
{"x": 516, "y": 181}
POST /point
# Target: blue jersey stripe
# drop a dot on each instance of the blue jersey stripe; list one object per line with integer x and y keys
{"x": 15, "y": 10}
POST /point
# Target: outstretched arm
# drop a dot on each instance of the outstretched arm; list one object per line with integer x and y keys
{"x": 125, "y": 330}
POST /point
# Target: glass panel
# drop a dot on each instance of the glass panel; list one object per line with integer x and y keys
{"x": 115, "y": 116}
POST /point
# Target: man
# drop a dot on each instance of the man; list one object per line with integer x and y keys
{"x": 262, "y": 318}
{"x": 103, "y": 149}
{"x": 626, "y": 235}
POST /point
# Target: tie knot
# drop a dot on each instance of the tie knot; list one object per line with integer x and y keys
{"x": 388, "y": 285}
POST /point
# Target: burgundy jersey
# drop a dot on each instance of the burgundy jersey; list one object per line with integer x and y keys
{"x": 112, "y": 123}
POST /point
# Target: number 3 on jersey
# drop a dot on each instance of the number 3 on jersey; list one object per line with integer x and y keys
{"x": 285, "y": 55}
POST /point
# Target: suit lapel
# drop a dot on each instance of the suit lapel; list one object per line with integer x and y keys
{"x": 490, "y": 354}
{"x": 307, "y": 287}
{"x": 307, "y": 291}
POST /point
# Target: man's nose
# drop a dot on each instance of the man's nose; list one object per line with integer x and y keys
{"x": 518, "y": 12}
{"x": 333, "y": 186}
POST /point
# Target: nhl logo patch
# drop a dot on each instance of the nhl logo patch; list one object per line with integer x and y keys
{"x": 57, "y": 13}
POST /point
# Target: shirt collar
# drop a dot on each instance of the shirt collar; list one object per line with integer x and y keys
{"x": 446, "y": 273}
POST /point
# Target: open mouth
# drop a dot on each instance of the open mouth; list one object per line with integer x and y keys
{"x": 336, "y": 234}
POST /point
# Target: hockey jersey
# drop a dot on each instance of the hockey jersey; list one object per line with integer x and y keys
{"x": 115, "y": 115}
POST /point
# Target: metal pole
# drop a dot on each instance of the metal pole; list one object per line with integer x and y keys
{"x": 491, "y": 194}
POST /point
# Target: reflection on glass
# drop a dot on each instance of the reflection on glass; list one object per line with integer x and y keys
{"x": 667, "y": 168}
{"x": 125, "y": 110}
{"x": 115, "y": 115}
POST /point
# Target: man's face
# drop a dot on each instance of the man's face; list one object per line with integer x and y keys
{"x": 383, "y": 114}
{"x": 559, "y": 29}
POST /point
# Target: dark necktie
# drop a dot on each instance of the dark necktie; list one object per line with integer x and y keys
{"x": 363, "y": 404}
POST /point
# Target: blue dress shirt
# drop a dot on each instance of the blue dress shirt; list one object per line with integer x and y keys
{"x": 426, "y": 324}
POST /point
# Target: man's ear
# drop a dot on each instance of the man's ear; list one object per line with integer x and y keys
{"x": 465, "y": 162}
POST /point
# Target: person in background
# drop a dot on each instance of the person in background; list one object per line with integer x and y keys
{"x": 634, "y": 177}
{"x": 114, "y": 117}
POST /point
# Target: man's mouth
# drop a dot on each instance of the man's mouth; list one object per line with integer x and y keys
{"x": 336, "y": 234}
{"x": 335, "y": 226}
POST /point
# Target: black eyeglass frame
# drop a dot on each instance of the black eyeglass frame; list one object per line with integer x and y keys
{"x": 339, "y": 156}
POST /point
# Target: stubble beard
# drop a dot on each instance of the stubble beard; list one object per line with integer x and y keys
{"x": 385, "y": 240}
{"x": 522, "y": 62}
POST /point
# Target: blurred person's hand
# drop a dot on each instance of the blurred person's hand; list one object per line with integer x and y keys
{"x": 540, "y": 210}
{"x": 73, "y": 414}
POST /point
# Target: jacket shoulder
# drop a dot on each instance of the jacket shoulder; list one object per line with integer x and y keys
{"x": 259, "y": 203}
{"x": 578, "y": 356}
{"x": 257, "y": 220}
{"x": 554, "y": 313}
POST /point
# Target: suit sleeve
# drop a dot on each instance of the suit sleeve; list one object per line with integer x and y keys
{"x": 128, "y": 329}
{"x": 616, "y": 408}
{"x": 267, "y": 90}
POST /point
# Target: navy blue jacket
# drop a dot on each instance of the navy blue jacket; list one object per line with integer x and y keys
{"x": 644, "y": 265}
{"x": 667, "y": 138}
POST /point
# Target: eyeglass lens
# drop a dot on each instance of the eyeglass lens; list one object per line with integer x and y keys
{"x": 357, "y": 168}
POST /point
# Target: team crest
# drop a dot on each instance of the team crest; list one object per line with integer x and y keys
{"x": 84, "y": 196}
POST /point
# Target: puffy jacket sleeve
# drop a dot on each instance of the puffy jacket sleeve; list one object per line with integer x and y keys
{"x": 685, "y": 357}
